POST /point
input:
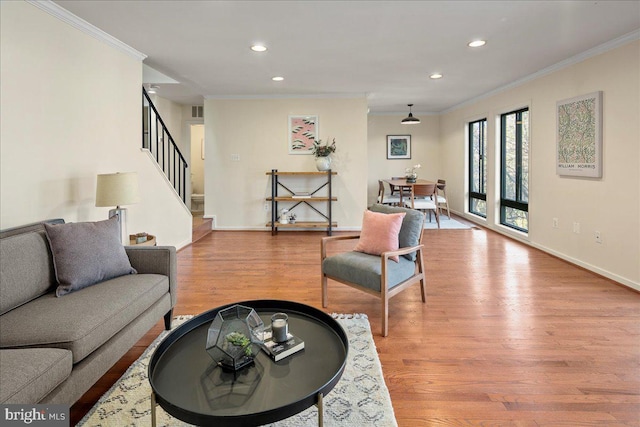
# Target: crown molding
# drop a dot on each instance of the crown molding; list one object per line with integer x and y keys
{"x": 598, "y": 50}
{"x": 291, "y": 96}
{"x": 403, "y": 113}
{"x": 64, "y": 15}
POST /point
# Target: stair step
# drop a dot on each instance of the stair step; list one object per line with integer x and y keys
{"x": 201, "y": 227}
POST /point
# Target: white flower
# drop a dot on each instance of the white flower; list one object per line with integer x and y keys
{"x": 413, "y": 169}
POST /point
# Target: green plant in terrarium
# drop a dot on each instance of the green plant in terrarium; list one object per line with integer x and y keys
{"x": 239, "y": 339}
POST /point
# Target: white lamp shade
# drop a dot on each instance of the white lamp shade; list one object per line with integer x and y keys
{"x": 116, "y": 189}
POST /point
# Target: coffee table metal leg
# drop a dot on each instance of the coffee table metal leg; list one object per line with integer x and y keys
{"x": 153, "y": 409}
{"x": 320, "y": 411}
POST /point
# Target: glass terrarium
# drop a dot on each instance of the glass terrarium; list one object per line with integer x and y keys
{"x": 234, "y": 337}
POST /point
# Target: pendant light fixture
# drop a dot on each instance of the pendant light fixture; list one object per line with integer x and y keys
{"x": 410, "y": 120}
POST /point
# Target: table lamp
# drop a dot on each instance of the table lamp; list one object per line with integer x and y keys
{"x": 117, "y": 189}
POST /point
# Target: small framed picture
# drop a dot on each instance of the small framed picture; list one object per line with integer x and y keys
{"x": 303, "y": 130}
{"x": 398, "y": 146}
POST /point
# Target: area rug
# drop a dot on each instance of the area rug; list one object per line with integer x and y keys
{"x": 446, "y": 223}
{"x": 360, "y": 398}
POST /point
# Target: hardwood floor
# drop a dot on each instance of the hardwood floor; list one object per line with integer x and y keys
{"x": 509, "y": 336}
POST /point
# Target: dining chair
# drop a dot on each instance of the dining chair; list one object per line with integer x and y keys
{"x": 379, "y": 275}
{"x": 387, "y": 199}
{"x": 442, "y": 196}
{"x": 425, "y": 198}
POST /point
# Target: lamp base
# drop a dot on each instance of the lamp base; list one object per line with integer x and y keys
{"x": 121, "y": 214}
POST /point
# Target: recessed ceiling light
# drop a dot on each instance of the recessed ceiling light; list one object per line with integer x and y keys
{"x": 436, "y": 76}
{"x": 258, "y": 48}
{"x": 477, "y": 43}
{"x": 277, "y": 78}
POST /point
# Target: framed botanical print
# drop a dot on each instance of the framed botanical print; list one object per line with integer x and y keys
{"x": 579, "y": 136}
{"x": 303, "y": 130}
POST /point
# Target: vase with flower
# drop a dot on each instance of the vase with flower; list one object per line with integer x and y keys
{"x": 322, "y": 153}
{"x": 411, "y": 174}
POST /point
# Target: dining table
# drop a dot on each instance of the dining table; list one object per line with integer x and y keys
{"x": 402, "y": 184}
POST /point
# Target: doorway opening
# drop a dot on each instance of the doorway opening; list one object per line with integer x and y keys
{"x": 197, "y": 169}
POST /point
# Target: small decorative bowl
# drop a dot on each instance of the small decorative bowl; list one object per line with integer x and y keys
{"x": 234, "y": 337}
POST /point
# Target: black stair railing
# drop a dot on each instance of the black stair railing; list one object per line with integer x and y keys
{"x": 157, "y": 139}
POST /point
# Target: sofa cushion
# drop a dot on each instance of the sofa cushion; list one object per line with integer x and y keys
{"x": 28, "y": 375}
{"x": 82, "y": 321}
{"x": 26, "y": 269}
{"x": 86, "y": 253}
{"x": 380, "y": 233}
{"x": 411, "y": 229}
{"x": 366, "y": 270}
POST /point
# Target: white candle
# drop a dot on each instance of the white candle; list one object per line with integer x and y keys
{"x": 279, "y": 329}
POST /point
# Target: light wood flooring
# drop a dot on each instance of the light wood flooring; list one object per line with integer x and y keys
{"x": 509, "y": 336}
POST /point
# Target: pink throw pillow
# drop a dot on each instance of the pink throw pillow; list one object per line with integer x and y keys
{"x": 380, "y": 233}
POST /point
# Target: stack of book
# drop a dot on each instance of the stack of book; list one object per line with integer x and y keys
{"x": 302, "y": 195}
{"x": 279, "y": 350}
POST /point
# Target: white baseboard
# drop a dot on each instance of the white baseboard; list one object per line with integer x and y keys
{"x": 609, "y": 275}
{"x": 183, "y": 244}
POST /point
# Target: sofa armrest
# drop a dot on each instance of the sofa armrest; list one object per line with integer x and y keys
{"x": 156, "y": 260}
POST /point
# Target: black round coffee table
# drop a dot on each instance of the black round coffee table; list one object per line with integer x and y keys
{"x": 189, "y": 385}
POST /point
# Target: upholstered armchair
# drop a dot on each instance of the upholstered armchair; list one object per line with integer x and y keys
{"x": 379, "y": 275}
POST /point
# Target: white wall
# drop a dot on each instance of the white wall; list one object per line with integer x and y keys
{"x": 425, "y": 149}
{"x": 610, "y": 205}
{"x": 257, "y": 131}
{"x": 171, "y": 114}
{"x": 197, "y": 163}
{"x": 71, "y": 109}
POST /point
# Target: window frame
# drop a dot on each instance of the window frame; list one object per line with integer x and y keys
{"x": 482, "y": 172}
{"x": 516, "y": 203}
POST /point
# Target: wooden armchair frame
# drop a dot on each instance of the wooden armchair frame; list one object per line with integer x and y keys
{"x": 385, "y": 293}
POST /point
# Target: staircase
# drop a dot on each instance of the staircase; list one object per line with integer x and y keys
{"x": 157, "y": 139}
{"x": 201, "y": 227}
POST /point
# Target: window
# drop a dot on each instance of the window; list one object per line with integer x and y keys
{"x": 514, "y": 171}
{"x": 477, "y": 168}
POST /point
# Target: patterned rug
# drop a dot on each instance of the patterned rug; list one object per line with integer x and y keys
{"x": 446, "y": 223}
{"x": 360, "y": 398}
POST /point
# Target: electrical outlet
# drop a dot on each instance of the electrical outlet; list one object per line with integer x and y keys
{"x": 555, "y": 222}
{"x": 576, "y": 227}
{"x": 266, "y": 207}
{"x": 598, "y": 237}
{"x": 235, "y": 157}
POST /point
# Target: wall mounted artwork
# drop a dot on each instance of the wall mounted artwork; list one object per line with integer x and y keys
{"x": 303, "y": 130}
{"x": 398, "y": 146}
{"x": 579, "y": 137}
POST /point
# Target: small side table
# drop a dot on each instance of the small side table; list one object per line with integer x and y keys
{"x": 151, "y": 241}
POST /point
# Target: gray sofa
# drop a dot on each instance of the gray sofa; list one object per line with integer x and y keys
{"x": 53, "y": 349}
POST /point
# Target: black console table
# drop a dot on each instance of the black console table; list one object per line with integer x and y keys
{"x": 311, "y": 199}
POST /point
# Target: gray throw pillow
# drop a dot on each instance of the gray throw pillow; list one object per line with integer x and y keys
{"x": 86, "y": 253}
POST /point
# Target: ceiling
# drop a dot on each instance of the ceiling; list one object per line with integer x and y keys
{"x": 384, "y": 50}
